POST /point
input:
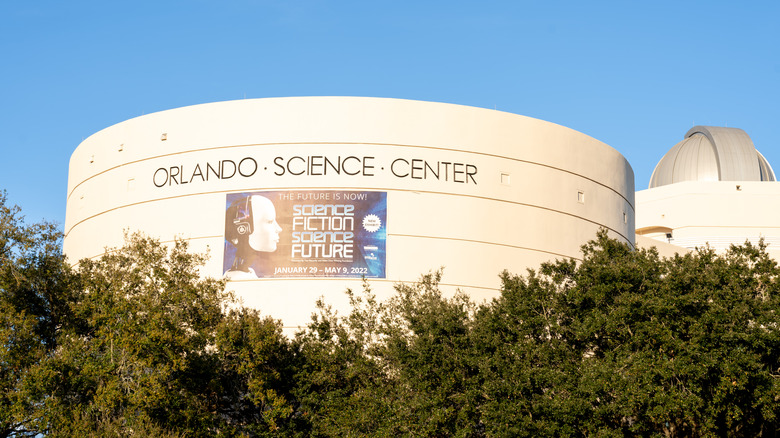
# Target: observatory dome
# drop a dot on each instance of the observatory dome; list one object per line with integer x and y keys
{"x": 711, "y": 153}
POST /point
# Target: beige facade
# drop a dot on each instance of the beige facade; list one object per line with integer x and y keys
{"x": 717, "y": 213}
{"x": 472, "y": 190}
{"x": 663, "y": 248}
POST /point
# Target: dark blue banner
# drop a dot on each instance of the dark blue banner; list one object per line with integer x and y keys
{"x": 311, "y": 233}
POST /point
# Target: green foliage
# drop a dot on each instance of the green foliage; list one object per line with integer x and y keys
{"x": 621, "y": 343}
{"x": 339, "y": 386}
{"x": 399, "y": 367}
{"x": 625, "y": 343}
{"x": 140, "y": 354}
{"x": 428, "y": 347}
{"x": 134, "y": 343}
{"x": 255, "y": 376}
{"x": 36, "y": 289}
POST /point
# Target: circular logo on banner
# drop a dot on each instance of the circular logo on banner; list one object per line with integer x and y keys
{"x": 371, "y": 223}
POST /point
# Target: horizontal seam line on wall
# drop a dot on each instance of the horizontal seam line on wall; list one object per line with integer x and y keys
{"x": 389, "y": 235}
{"x": 348, "y": 188}
{"x": 115, "y": 249}
{"x": 482, "y": 242}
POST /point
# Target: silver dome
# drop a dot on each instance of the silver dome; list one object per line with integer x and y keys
{"x": 711, "y": 153}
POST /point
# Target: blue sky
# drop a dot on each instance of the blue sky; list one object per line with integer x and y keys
{"x": 635, "y": 75}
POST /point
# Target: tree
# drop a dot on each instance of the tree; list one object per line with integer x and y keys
{"x": 134, "y": 342}
{"x": 340, "y": 387}
{"x": 403, "y": 367}
{"x": 255, "y": 376}
{"x": 36, "y": 287}
{"x": 626, "y": 343}
{"x": 428, "y": 344}
{"x": 159, "y": 350}
{"x": 621, "y": 343}
{"x": 139, "y": 354}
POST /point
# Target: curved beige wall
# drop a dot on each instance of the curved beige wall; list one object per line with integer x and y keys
{"x": 535, "y": 191}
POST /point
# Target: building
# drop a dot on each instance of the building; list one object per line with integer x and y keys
{"x": 712, "y": 188}
{"x": 296, "y": 198}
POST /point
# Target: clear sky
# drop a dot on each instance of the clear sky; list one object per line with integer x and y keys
{"x": 635, "y": 75}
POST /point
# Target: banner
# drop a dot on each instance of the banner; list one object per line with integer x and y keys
{"x": 311, "y": 233}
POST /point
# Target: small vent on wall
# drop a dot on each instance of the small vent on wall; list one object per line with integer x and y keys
{"x": 121, "y": 147}
{"x": 91, "y": 159}
{"x": 164, "y": 136}
{"x": 581, "y": 197}
{"x": 505, "y": 179}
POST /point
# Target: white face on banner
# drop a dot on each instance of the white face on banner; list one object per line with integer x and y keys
{"x": 265, "y": 233}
